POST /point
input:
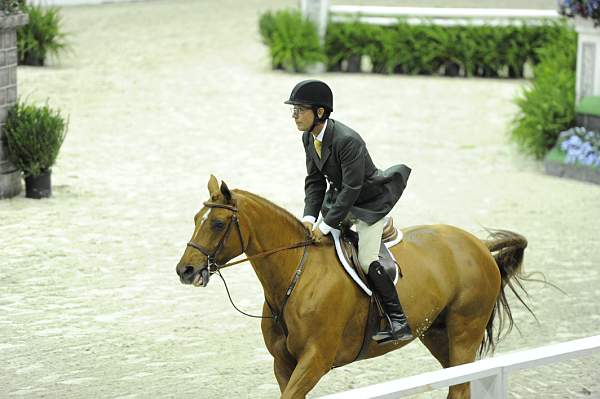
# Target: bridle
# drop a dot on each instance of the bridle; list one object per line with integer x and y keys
{"x": 213, "y": 267}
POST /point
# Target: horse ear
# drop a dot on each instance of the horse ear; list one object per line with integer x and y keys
{"x": 213, "y": 187}
{"x": 225, "y": 191}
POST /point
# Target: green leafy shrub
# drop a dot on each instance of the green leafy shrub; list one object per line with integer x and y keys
{"x": 42, "y": 36}
{"x": 349, "y": 42}
{"x": 487, "y": 51}
{"x": 266, "y": 27}
{"x": 548, "y": 106}
{"x": 293, "y": 40}
{"x": 425, "y": 49}
{"x": 417, "y": 48}
{"x": 34, "y": 136}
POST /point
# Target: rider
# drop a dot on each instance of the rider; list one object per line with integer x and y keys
{"x": 358, "y": 192}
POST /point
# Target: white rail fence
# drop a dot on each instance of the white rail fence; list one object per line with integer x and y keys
{"x": 61, "y": 3}
{"x": 379, "y": 15}
{"x": 320, "y": 12}
{"x": 488, "y": 377}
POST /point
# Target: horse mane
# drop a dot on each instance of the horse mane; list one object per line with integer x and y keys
{"x": 279, "y": 211}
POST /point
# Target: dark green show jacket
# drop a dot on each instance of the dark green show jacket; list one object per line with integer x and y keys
{"x": 355, "y": 184}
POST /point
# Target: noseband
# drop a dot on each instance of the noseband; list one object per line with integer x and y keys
{"x": 213, "y": 266}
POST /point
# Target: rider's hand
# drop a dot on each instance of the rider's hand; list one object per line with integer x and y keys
{"x": 318, "y": 235}
{"x": 309, "y": 227}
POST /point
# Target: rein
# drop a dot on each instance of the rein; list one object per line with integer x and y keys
{"x": 267, "y": 253}
{"x": 213, "y": 267}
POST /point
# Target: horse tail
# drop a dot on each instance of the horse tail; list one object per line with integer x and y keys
{"x": 508, "y": 249}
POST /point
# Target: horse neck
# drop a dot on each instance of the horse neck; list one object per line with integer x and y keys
{"x": 268, "y": 228}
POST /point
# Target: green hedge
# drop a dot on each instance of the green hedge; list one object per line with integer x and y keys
{"x": 488, "y": 51}
{"x": 547, "y": 107}
{"x": 427, "y": 49}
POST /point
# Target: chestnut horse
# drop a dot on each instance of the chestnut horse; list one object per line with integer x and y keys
{"x": 452, "y": 288}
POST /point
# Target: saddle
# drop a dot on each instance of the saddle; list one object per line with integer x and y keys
{"x": 348, "y": 240}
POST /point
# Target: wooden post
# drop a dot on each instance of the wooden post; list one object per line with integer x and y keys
{"x": 316, "y": 11}
{"x": 492, "y": 387}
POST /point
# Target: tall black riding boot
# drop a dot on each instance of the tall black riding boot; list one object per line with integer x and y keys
{"x": 399, "y": 328}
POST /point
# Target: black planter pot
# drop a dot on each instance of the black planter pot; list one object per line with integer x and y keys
{"x": 39, "y": 186}
{"x": 353, "y": 64}
{"x": 452, "y": 69}
{"x": 33, "y": 60}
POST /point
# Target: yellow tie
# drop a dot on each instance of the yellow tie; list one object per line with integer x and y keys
{"x": 318, "y": 147}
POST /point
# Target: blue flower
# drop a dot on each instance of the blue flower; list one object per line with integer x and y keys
{"x": 580, "y": 145}
{"x": 590, "y": 159}
{"x": 575, "y": 140}
{"x": 586, "y": 148}
{"x": 582, "y": 8}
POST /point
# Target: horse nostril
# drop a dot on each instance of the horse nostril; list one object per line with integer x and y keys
{"x": 184, "y": 270}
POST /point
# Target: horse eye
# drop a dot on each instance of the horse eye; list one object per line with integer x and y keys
{"x": 218, "y": 225}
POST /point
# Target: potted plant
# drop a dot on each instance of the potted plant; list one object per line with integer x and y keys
{"x": 42, "y": 36}
{"x": 292, "y": 39}
{"x": 34, "y": 136}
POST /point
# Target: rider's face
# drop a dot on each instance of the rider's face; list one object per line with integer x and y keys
{"x": 303, "y": 116}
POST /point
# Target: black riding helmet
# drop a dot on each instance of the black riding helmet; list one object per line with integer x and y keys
{"x": 315, "y": 94}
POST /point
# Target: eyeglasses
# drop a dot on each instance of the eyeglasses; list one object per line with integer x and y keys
{"x": 297, "y": 109}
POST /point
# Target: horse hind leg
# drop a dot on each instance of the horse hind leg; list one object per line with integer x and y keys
{"x": 465, "y": 334}
{"x": 435, "y": 340}
{"x": 452, "y": 346}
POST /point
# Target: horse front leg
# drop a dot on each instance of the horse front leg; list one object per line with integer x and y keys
{"x": 275, "y": 340}
{"x": 313, "y": 363}
{"x": 283, "y": 372}
{"x": 283, "y": 362}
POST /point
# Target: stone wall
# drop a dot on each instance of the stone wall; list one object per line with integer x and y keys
{"x": 10, "y": 178}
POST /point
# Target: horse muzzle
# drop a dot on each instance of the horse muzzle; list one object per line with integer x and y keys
{"x": 189, "y": 275}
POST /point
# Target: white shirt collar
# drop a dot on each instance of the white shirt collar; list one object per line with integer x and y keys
{"x": 322, "y": 134}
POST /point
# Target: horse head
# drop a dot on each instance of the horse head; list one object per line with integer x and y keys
{"x": 217, "y": 237}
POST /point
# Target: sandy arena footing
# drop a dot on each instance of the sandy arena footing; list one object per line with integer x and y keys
{"x": 162, "y": 94}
